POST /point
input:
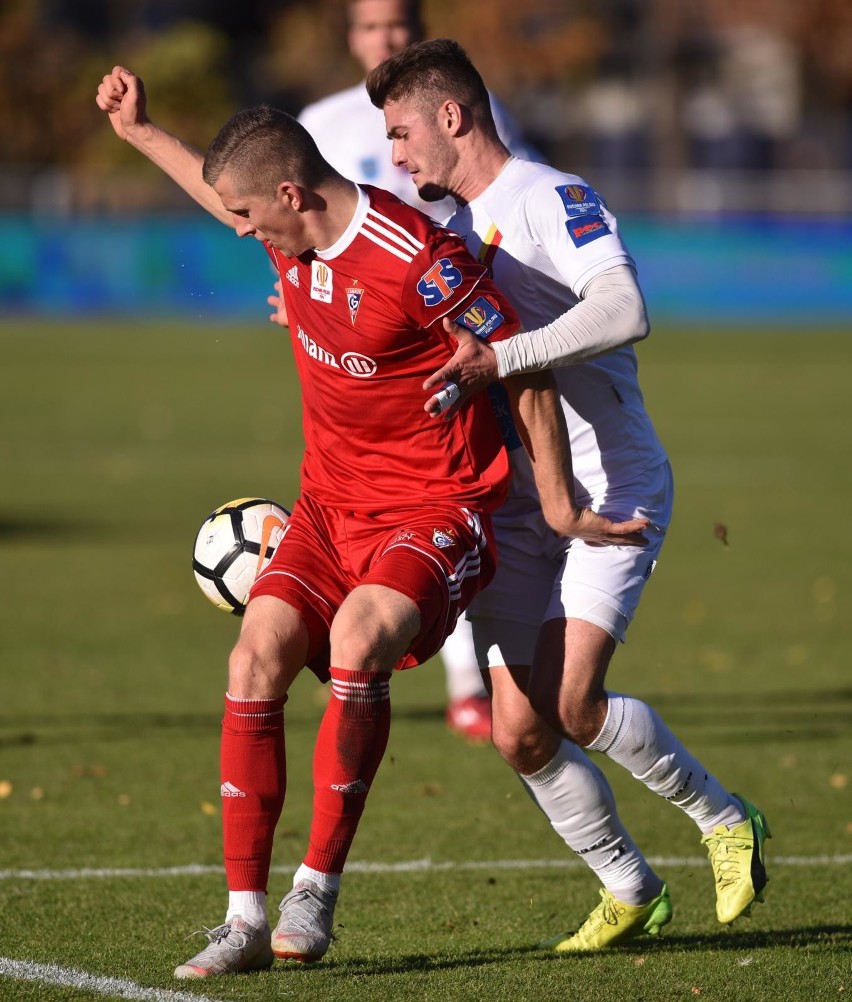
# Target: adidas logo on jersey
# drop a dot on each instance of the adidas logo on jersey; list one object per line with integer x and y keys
{"x": 293, "y": 276}
{"x": 229, "y": 790}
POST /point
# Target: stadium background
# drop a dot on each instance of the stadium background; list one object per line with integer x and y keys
{"x": 720, "y": 134}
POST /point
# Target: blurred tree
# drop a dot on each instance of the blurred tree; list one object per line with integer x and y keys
{"x": 580, "y": 74}
{"x": 39, "y": 122}
{"x": 190, "y": 92}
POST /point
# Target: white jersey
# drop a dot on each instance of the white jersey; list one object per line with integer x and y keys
{"x": 545, "y": 234}
{"x": 350, "y": 133}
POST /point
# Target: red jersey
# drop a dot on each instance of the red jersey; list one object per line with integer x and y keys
{"x": 365, "y": 321}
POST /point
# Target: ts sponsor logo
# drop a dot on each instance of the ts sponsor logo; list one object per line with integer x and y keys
{"x": 293, "y": 276}
{"x": 322, "y": 280}
{"x": 442, "y": 538}
{"x": 402, "y": 537}
{"x": 353, "y": 301}
{"x": 438, "y": 282}
{"x": 481, "y": 317}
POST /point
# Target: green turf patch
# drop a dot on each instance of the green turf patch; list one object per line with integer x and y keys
{"x": 120, "y": 438}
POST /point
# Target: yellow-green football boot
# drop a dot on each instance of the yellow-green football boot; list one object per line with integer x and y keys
{"x": 614, "y": 922}
{"x": 736, "y": 855}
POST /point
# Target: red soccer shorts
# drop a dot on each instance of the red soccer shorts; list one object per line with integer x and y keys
{"x": 440, "y": 556}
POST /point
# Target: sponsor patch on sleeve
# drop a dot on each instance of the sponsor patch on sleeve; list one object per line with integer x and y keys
{"x": 584, "y": 209}
{"x": 481, "y": 317}
{"x": 438, "y": 282}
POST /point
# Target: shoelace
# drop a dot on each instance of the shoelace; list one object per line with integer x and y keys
{"x": 301, "y": 916}
{"x": 220, "y": 935}
{"x": 606, "y": 913}
{"x": 728, "y": 868}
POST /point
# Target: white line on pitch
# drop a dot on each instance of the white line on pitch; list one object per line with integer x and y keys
{"x": 70, "y": 977}
{"x": 408, "y": 866}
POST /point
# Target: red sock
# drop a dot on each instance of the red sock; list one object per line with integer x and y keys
{"x": 352, "y": 739}
{"x": 254, "y": 779}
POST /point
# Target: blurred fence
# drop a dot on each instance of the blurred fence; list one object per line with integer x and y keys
{"x": 721, "y": 270}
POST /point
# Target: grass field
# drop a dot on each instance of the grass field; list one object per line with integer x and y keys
{"x": 118, "y": 438}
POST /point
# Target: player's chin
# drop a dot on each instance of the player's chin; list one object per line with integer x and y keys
{"x": 430, "y": 192}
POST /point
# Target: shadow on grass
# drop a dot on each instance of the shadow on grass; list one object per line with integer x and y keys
{"x": 828, "y": 936}
{"x": 16, "y": 527}
{"x": 759, "y": 939}
{"x": 70, "y": 729}
{"x": 789, "y": 717}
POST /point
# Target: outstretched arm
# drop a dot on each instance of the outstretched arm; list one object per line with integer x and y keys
{"x": 541, "y": 425}
{"x": 121, "y": 95}
{"x": 610, "y": 314}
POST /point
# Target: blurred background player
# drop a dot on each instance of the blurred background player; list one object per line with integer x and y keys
{"x": 350, "y": 134}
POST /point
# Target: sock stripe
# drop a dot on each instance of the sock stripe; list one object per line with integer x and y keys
{"x": 257, "y": 716}
{"x": 361, "y": 692}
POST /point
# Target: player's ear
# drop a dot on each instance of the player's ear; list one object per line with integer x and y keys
{"x": 451, "y": 117}
{"x": 291, "y": 194}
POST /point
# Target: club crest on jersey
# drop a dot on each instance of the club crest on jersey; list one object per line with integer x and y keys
{"x": 442, "y": 538}
{"x": 353, "y": 300}
{"x": 322, "y": 279}
{"x": 481, "y": 317}
{"x": 438, "y": 282}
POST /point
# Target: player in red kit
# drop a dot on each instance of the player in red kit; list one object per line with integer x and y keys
{"x": 390, "y": 537}
{"x": 365, "y": 316}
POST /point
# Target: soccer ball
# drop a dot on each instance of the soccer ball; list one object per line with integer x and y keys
{"x": 233, "y": 545}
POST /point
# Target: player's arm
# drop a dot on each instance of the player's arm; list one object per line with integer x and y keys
{"x": 540, "y": 422}
{"x": 610, "y": 314}
{"x": 121, "y": 95}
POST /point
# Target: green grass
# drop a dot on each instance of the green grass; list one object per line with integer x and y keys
{"x": 118, "y": 438}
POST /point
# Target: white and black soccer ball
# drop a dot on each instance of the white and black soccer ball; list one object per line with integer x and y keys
{"x": 233, "y": 545}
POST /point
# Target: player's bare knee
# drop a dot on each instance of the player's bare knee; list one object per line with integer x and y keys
{"x": 367, "y": 635}
{"x": 581, "y": 722}
{"x": 256, "y": 671}
{"x": 358, "y": 650}
{"x": 565, "y": 718}
{"x": 525, "y": 748}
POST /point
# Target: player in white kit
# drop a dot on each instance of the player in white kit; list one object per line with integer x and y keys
{"x": 547, "y": 626}
{"x": 350, "y": 133}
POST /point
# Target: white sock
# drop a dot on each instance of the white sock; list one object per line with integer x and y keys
{"x": 634, "y": 736}
{"x": 250, "y": 905}
{"x": 330, "y": 881}
{"x": 576, "y": 798}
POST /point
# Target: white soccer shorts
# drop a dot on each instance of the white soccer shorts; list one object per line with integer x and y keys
{"x": 540, "y": 576}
